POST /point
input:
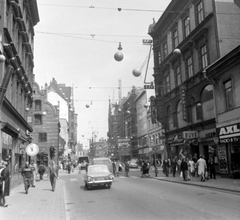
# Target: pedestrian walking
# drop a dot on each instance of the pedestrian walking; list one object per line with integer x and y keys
{"x": 212, "y": 168}
{"x": 155, "y": 165}
{"x": 114, "y": 168}
{"x": 27, "y": 176}
{"x": 166, "y": 166}
{"x": 184, "y": 169}
{"x": 202, "y": 166}
{"x": 41, "y": 170}
{"x": 53, "y": 174}
{"x": 33, "y": 167}
{"x": 79, "y": 168}
{"x": 191, "y": 167}
{"x": 174, "y": 166}
{"x": 4, "y": 183}
{"x": 126, "y": 168}
{"x": 69, "y": 167}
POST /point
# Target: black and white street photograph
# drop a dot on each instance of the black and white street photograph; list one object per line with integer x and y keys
{"x": 124, "y": 110}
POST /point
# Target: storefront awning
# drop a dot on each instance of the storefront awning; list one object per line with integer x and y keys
{"x": 9, "y": 129}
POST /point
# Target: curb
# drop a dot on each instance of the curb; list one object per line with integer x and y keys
{"x": 194, "y": 184}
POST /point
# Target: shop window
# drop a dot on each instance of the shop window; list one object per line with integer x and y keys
{"x": 207, "y": 102}
{"x": 235, "y": 162}
{"x": 228, "y": 94}
{"x": 42, "y": 137}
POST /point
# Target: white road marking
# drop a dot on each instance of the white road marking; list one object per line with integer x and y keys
{"x": 73, "y": 179}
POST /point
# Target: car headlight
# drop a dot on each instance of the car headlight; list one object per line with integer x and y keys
{"x": 89, "y": 179}
{"x": 110, "y": 177}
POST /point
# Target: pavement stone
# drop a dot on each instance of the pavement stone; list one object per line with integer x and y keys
{"x": 39, "y": 204}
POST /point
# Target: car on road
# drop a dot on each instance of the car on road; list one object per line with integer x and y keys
{"x": 98, "y": 175}
{"x": 103, "y": 160}
{"x": 133, "y": 164}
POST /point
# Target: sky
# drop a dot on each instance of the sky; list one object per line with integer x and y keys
{"x": 75, "y": 43}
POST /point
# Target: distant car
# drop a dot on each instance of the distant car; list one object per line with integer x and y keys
{"x": 103, "y": 160}
{"x": 133, "y": 164}
{"x": 83, "y": 160}
{"x": 98, "y": 175}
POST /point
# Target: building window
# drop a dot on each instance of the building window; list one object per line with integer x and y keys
{"x": 186, "y": 26}
{"x": 175, "y": 38}
{"x": 189, "y": 67}
{"x": 177, "y": 76}
{"x": 204, "y": 56}
{"x": 42, "y": 137}
{"x": 165, "y": 53}
{"x": 167, "y": 83}
{"x": 207, "y": 102}
{"x": 200, "y": 16}
{"x": 228, "y": 94}
{"x": 38, "y": 105}
{"x": 38, "y": 119}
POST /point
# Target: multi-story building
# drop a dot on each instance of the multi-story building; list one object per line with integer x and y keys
{"x": 225, "y": 78}
{"x": 46, "y": 126}
{"x": 17, "y": 21}
{"x": 185, "y": 43}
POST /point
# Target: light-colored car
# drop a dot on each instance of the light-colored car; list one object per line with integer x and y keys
{"x": 98, "y": 175}
{"x": 103, "y": 160}
{"x": 133, "y": 164}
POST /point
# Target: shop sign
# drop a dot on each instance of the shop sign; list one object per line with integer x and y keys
{"x": 184, "y": 102}
{"x": 177, "y": 139}
{"x": 222, "y": 155}
{"x": 229, "y": 134}
{"x": 190, "y": 134}
{"x": 7, "y": 140}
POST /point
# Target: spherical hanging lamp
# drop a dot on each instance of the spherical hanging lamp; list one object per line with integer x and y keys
{"x": 87, "y": 105}
{"x": 177, "y": 52}
{"x": 118, "y": 56}
{"x": 137, "y": 72}
{"x": 2, "y": 58}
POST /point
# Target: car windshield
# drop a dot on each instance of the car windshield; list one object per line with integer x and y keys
{"x": 98, "y": 169}
{"x": 101, "y": 162}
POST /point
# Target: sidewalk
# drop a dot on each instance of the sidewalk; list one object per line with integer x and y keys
{"x": 226, "y": 184}
{"x": 39, "y": 204}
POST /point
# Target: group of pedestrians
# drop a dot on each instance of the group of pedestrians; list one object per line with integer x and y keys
{"x": 4, "y": 183}
{"x": 188, "y": 167}
{"x": 29, "y": 173}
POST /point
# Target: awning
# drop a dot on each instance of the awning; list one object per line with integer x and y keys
{"x": 9, "y": 129}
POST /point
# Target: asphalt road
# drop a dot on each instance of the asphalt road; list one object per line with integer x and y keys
{"x": 146, "y": 198}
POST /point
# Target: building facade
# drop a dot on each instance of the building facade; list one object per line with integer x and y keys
{"x": 46, "y": 126}
{"x": 225, "y": 77}
{"x": 17, "y": 21}
{"x": 185, "y": 43}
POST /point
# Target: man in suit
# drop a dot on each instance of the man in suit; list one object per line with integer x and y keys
{"x": 53, "y": 174}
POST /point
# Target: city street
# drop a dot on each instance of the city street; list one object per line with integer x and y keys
{"x": 129, "y": 198}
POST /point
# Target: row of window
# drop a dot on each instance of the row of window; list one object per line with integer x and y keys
{"x": 204, "y": 110}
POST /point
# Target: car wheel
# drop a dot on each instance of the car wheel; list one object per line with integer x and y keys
{"x": 86, "y": 186}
